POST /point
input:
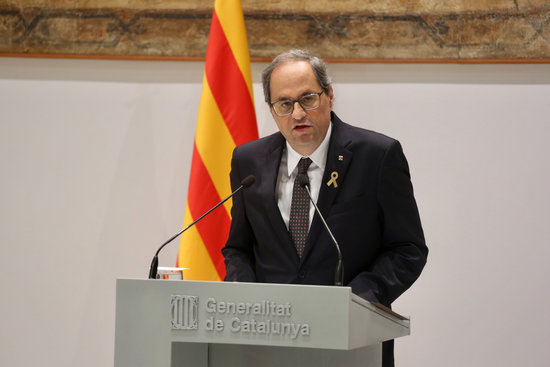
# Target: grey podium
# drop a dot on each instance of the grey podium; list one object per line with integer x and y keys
{"x": 175, "y": 323}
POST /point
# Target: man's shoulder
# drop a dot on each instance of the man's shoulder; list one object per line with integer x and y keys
{"x": 264, "y": 144}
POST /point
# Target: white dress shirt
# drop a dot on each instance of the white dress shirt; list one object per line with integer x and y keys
{"x": 288, "y": 170}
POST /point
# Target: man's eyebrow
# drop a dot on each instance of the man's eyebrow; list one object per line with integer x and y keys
{"x": 300, "y": 96}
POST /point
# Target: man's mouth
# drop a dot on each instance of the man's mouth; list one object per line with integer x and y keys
{"x": 301, "y": 127}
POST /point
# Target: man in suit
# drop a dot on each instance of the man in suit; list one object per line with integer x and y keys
{"x": 359, "y": 179}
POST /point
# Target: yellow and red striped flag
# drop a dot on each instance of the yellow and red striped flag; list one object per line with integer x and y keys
{"x": 226, "y": 119}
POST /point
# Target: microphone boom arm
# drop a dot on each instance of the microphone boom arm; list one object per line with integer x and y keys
{"x": 339, "y": 274}
{"x": 246, "y": 182}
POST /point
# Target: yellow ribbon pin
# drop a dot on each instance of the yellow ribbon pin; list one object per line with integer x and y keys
{"x": 333, "y": 178}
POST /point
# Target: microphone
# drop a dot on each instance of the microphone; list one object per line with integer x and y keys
{"x": 245, "y": 183}
{"x": 303, "y": 181}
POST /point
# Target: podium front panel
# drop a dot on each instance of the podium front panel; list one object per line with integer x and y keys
{"x": 164, "y": 322}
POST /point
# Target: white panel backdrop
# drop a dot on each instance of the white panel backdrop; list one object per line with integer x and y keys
{"x": 94, "y": 162}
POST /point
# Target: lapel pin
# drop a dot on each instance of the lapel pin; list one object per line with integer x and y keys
{"x": 340, "y": 157}
{"x": 333, "y": 178}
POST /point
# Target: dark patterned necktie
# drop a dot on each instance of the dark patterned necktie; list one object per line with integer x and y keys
{"x": 299, "y": 210}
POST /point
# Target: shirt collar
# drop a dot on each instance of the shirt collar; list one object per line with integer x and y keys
{"x": 318, "y": 157}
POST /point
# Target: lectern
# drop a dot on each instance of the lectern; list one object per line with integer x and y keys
{"x": 175, "y": 323}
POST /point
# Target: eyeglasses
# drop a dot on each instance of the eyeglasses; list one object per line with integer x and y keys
{"x": 309, "y": 102}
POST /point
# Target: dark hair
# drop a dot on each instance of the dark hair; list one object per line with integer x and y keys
{"x": 319, "y": 69}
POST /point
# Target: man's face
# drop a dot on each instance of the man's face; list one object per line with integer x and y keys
{"x": 303, "y": 130}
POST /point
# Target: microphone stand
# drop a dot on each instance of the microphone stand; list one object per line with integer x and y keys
{"x": 246, "y": 182}
{"x": 339, "y": 274}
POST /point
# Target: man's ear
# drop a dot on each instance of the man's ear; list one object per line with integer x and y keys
{"x": 331, "y": 97}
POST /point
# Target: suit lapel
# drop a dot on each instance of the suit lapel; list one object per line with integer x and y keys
{"x": 269, "y": 174}
{"x": 338, "y": 160}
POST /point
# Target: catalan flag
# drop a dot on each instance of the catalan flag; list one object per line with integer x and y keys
{"x": 226, "y": 119}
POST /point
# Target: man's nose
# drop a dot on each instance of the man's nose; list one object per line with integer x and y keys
{"x": 298, "y": 113}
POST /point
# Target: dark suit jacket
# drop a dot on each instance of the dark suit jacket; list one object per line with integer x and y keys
{"x": 372, "y": 214}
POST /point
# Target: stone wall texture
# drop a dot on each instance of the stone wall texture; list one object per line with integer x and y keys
{"x": 336, "y": 30}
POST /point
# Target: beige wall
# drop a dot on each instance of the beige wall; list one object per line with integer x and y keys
{"x": 94, "y": 160}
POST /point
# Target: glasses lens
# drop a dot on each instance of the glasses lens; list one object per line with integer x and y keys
{"x": 283, "y": 107}
{"x": 310, "y": 101}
